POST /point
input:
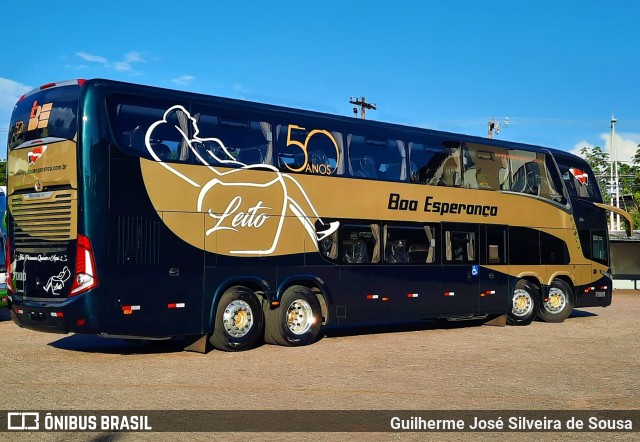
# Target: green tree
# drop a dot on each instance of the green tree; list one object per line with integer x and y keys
{"x": 3, "y": 173}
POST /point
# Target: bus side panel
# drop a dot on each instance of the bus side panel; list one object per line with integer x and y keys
{"x": 156, "y": 279}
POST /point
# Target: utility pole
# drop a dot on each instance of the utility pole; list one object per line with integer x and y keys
{"x": 494, "y": 127}
{"x": 614, "y": 177}
{"x": 362, "y": 103}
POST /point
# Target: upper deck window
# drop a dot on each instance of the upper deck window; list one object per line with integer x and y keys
{"x": 377, "y": 157}
{"x": 306, "y": 148}
{"x": 485, "y": 167}
{"x": 175, "y": 132}
{"x": 230, "y": 138}
{"x": 133, "y": 118}
{"x": 535, "y": 173}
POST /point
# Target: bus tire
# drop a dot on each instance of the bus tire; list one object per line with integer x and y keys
{"x": 238, "y": 321}
{"x": 525, "y": 303}
{"x": 558, "y": 304}
{"x": 298, "y": 319}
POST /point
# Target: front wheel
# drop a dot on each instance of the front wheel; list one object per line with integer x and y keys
{"x": 238, "y": 320}
{"x": 298, "y": 319}
{"x": 558, "y": 304}
{"x": 524, "y": 304}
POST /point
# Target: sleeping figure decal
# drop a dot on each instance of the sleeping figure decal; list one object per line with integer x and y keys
{"x": 243, "y": 208}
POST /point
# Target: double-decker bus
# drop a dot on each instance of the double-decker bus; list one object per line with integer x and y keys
{"x": 143, "y": 212}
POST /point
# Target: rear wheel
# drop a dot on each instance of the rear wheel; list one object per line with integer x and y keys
{"x": 298, "y": 319}
{"x": 558, "y": 304}
{"x": 238, "y": 322}
{"x": 524, "y": 304}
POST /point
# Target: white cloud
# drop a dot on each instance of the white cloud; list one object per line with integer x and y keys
{"x": 183, "y": 79}
{"x": 124, "y": 65}
{"x": 578, "y": 147}
{"x": 625, "y": 144}
{"x": 10, "y": 92}
{"x": 93, "y": 58}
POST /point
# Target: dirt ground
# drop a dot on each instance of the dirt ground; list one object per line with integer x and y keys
{"x": 591, "y": 361}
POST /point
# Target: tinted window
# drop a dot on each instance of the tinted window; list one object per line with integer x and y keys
{"x": 424, "y": 160}
{"x": 496, "y": 245}
{"x": 460, "y": 244}
{"x": 231, "y": 138}
{"x": 553, "y": 249}
{"x": 133, "y": 116}
{"x": 359, "y": 244}
{"x": 595, "y": 245}
{"x": 306, "y": 148}
{"x": 445, "y": 168}
{"x": 48, "y": 113}
{"x": 534, "y": 174}
{"x": 578, "y": 179}
{"x": 377, "y": 157}
{"x": 410, "y": 245}
{"x": 485, "y": 167}
{"x": 524, "y": 246}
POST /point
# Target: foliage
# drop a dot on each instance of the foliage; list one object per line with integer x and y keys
{"x": 629, "y": 176}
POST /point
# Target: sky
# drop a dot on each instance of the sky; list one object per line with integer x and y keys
{"x": 557, "y": 69}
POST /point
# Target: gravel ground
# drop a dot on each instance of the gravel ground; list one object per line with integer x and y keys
{"x": 589, "y": 362}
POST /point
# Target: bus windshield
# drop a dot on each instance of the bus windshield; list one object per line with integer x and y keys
{"x": 579, "y": 179}
{"x": 47, "y": 113}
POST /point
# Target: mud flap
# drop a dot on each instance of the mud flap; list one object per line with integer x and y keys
{"x": 197, "y": 344}
{"x": 498, "y": 321}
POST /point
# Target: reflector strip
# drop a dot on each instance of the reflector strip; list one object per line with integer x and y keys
{"x": 373, "y": 296}
{"x": 176, "y": 305}
{"x": 449, "y": 293}
{"x": 412, "y": 295}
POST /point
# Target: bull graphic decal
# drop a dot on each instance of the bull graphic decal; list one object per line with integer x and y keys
{"x": 239, "y": 201}
{"x": 35, "y": 154}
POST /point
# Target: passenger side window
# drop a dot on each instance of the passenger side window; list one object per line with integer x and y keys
{"x": 424, "y": 161}
{"x": 378, "y": 158}
{"x": 409, "y": 245}
{"x": 232, "y": 141}
{"x": 306, "y": 148}
{"x": 134, "y": 116}
{"x": 496, "y": 246}
{"x": 360, "y": 244}
{"x": 460, "y": 244}
{"x": 485, "y": 167}
{"x": 448, "y": 167}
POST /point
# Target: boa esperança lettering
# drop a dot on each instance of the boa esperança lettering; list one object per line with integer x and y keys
{"x": 441, "y": 207}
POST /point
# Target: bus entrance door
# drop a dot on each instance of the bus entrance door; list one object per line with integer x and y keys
{"x": 460, "y": 271}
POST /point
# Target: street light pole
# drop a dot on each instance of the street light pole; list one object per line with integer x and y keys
{"x": 614, "y": 177}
